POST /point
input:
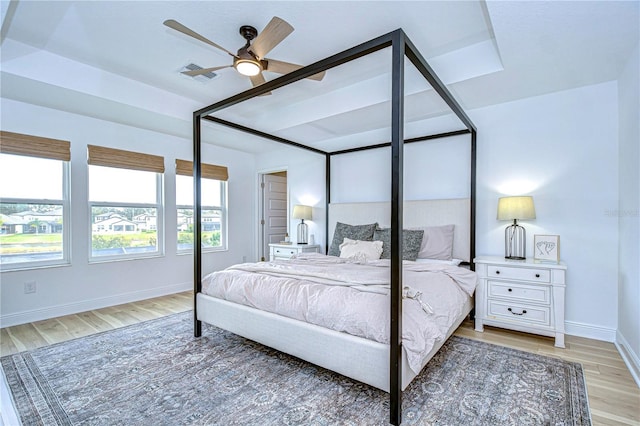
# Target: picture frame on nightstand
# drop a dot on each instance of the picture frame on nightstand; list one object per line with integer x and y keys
{"x": 546, "y": 248}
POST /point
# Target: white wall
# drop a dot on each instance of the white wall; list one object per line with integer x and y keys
{"x": 83, "y": 286}
{"x": 366, "y": 175}
{"x": 562, "y": 149}
{"x": 629, "y": 213}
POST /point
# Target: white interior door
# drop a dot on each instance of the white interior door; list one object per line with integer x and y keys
{"x": 274, "y": 213}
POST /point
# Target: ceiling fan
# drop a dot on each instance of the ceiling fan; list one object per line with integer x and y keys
{"x": 250, "y": 59}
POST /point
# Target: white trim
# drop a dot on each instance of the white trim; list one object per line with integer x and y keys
{"x": 630, "y": 358}
{"x": 260, "y": 210}
{"x": 88, "y": 305}
{"x": 590, "y": 331}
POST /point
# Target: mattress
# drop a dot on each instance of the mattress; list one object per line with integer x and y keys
{"x": 350, "y": 297}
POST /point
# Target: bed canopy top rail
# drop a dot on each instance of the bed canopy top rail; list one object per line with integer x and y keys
{"x": 402, "y": 48}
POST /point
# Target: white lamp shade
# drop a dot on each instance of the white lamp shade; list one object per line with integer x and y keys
{"x": 510, "y": 208}
{"x": 302, "y": 212}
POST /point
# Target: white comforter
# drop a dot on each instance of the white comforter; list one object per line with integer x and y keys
{"x": 350, "y": 297}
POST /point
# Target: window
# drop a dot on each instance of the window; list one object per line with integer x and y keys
{"x": 34, "y": 201}
{"x": 213, "y": 206}
{"x": 125, "y": 203}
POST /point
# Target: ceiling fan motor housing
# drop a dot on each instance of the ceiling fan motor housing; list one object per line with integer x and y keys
{"x": 248, "y": 32}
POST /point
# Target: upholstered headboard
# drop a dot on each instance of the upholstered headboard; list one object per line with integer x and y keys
{"x": 416, "y": 214}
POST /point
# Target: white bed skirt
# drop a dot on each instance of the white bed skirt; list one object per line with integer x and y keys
{"x": 355, "y": 357}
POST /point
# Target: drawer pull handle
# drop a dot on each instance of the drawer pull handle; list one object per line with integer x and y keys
{"x": 524, "y": 311}
{"x": 497, "y": 272}
{"x": 510, "y": 289}
{"x": 537, "y": 275}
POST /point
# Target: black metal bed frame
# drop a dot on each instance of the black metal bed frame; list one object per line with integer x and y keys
{"x": 401, "y": 47}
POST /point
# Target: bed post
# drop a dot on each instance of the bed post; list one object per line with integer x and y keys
{"x": 397, "y": 142}
{"x": 327, "y": 183}
{"x": 197, "y": 232}
{"x": 472, "y": 213}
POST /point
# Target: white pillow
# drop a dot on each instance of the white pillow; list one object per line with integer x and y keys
{"x": 437, "y": 242}
{"x": 361, "y": 250}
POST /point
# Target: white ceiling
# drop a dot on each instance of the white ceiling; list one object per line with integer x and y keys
{"x": 115, "y": 60}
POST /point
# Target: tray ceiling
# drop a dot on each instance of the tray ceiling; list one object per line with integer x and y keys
{"x": 117, "y": 61}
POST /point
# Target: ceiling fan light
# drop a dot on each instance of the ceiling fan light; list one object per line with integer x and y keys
{"x": 247, "y": 67}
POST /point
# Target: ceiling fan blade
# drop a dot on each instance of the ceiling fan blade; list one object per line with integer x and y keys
{"x": 204, "y": 70}
{"x": 184, "y": 30}
{"x": 286, "y": 67}
{"x": 257, "y": 80}
{"x": 276, "y": 30}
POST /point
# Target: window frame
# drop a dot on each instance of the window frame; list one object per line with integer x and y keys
{"x": 159, "y": 206}
{"x": 65, "y": 203}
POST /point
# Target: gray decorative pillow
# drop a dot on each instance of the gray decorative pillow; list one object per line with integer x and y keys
{"x": 354, "y": 232}
{"x": 411, "y": 242}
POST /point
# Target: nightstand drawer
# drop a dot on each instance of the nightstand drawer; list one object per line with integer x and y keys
{"x": 522, "y": 292}
{"x": 284, "y": 253}
{"x": 519, "y": 312}
{"x": 527, "y": 274}
{"x": 287, "y": 251}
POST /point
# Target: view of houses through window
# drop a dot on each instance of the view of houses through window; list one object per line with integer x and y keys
{"x": 30, "y": 232}
{"x": 125, "y": 212}
{"x": 123, "y": 230}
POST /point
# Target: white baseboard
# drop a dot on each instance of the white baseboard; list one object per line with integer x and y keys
{"x": 629, "y": 357}
{"x": 88, "y": 305}
{"x": 590, "y": 331}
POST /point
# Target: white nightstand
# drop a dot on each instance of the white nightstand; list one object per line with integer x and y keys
{"x": 285, "y": 251}
{"x": 521, "y": 295}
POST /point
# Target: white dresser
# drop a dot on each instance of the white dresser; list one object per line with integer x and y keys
{"x": 285, "y": 251}
{"x": 521, "y": 295}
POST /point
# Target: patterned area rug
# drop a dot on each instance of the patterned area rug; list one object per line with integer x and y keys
{"x": 156, "y": 373}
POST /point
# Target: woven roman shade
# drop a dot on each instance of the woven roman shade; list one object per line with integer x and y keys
{"x": 111, "y": 157}
{"x": 34, "y": 146}
{"x": 208, "y": 171}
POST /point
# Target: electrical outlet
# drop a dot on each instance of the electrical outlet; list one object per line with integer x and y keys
{"x": 29, "y": 287}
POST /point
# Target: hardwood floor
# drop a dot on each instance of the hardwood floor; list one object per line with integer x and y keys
{"x": 40, "y": 333}
{"x": 614, "y": 397}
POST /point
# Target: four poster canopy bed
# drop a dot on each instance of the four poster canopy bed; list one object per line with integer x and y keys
{"x": 375, "y": 320}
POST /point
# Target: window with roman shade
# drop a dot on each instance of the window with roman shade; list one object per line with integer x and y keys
{"x": 213, "y": 206}
{"x": 126, "y": 207}
{"x": 34, "y": 201}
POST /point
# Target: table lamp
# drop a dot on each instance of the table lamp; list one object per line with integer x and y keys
{"x": 514, "y": 208}
{"x": 302, "y": 212}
